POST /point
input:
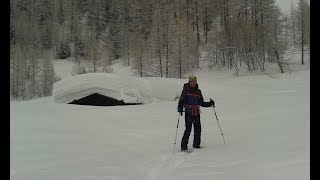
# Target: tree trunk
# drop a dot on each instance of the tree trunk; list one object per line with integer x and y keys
{"x": 180, "y": 63}
{"x": 167, "y": 46}
{"x": 128, "y": 42}
{"x": 34, "y": 51}
{"x": 159, "y": 46}
{"x": 140, "y": 58}
{"x": 302, "y": 34}
{"x": 293, "y": 24}
{"x": 205, "y": 24}
{"x": 278, "y": 60}
{"x": 198, "y": 34}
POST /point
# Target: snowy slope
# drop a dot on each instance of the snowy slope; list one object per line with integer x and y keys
{"x": 265, "y": 120}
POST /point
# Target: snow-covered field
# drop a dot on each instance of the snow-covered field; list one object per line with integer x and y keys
{"x": 265, "y": 120}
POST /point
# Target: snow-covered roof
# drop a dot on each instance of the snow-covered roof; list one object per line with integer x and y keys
{"x": 127, "y": 88}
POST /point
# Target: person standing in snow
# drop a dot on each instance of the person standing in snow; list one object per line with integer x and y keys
{"x": 191, "y": 99}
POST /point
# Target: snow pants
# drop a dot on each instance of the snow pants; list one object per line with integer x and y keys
{"x": 189, "y": 120}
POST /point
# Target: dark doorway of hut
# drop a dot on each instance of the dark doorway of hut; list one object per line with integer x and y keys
{"x": 97, "y": 99}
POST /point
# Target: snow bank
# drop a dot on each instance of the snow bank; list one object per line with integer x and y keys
{"x": 120, "y": 84}
{"x": 126, "y": 88}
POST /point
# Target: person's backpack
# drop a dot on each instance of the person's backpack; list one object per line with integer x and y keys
{"x": 193, "y": 108}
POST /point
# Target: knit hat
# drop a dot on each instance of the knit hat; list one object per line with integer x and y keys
{"x": 192, "y": 78}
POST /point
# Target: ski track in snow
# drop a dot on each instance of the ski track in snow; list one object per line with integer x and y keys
{"x": 283, "y": 91}
{"x": 287, "y": 163}
{"x": 184, "y": 162}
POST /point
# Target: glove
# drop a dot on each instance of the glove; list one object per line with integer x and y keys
{"x": 180, "y": 110}
{"x": 212, "y": 102}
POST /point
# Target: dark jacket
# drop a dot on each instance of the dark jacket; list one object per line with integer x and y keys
{"x": 191, "y": 99}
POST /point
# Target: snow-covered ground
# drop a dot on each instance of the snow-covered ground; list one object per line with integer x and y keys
{"x": 265, "y": 120}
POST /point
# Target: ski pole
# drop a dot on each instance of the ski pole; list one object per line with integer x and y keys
{"x": 175, "y": 140}
{"x": 219, "y": 125}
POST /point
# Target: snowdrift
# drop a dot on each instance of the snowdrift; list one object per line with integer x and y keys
{"x": 126, "y": 88}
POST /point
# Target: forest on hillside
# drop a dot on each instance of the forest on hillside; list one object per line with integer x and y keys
{"x": 162, "y": 38}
